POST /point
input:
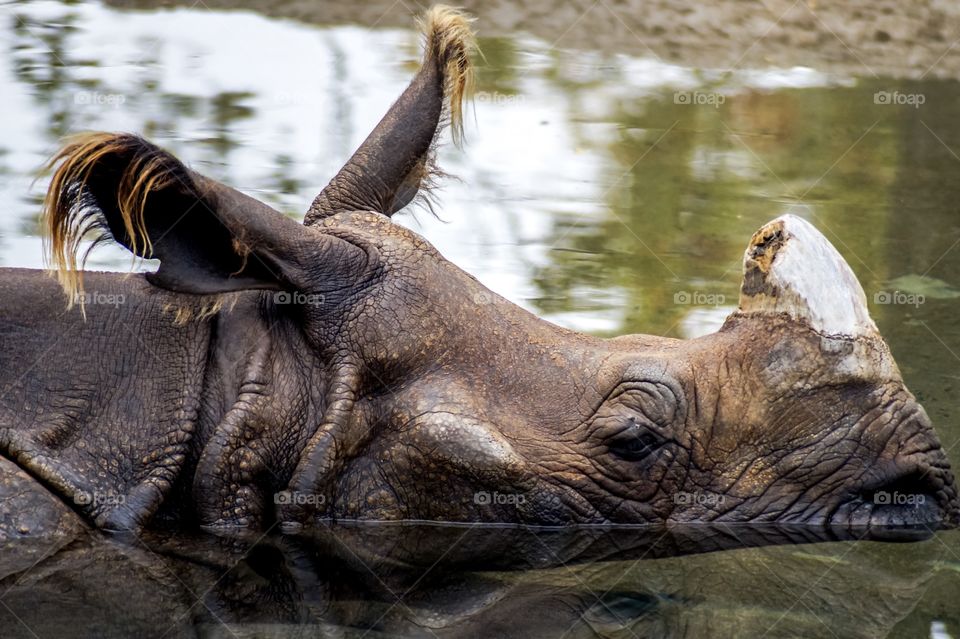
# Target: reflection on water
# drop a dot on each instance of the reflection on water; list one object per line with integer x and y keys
{"x": 431, "y": 581}
{"x": 605, "y": 192}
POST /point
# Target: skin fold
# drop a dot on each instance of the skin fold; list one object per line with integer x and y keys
{"x": 272, "y": 372}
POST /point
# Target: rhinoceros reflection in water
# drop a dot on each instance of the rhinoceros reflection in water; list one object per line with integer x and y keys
{"x": 374, "y": 380}
{"x": 427, "y": 581}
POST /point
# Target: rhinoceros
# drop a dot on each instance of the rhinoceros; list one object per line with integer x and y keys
{"x": 277, "y": 373}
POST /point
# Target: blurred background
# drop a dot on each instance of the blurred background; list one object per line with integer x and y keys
{"x": 618, "y": 155}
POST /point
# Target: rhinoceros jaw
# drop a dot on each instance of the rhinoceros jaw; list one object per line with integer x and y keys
{"x": 790, "y": 267}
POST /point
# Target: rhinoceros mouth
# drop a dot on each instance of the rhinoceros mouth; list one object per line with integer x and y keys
{"x": 896, "y": 498}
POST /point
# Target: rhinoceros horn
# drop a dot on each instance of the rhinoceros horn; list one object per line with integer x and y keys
{"x": 790, "y": 268}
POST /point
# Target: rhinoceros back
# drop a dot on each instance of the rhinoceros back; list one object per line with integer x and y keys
{"x": 102, "y": 409}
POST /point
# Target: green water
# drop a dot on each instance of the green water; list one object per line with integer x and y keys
{"x": 592, "y": 193}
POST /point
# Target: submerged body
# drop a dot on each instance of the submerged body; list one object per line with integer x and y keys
{"x": 271, "y": 372}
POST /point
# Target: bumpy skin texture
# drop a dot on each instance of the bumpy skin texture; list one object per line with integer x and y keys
{"x": 101, "y": 411}
{"x": 373, "y": 379}
{"x": 427, "y": 399}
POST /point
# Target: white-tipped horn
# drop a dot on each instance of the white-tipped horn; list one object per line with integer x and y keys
{"x": 790, "y": 267}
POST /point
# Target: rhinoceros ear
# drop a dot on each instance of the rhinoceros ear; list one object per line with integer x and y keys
{"x": 790, "y": 268}
{"x": 396, "y": 161}
{"x": 208, "y": 237}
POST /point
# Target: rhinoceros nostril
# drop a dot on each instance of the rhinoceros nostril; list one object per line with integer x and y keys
{"x": 910, "y": 489}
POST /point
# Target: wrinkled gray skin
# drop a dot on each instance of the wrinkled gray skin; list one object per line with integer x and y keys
{"x": 395, "y": 386}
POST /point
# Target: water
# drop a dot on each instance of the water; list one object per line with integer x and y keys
{"x": 384, "y": 581}
{"x": 610, "y": 193}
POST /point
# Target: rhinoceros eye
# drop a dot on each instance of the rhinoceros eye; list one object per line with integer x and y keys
{"x": 634, "y": 442}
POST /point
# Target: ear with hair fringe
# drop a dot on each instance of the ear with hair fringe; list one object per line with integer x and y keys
{"x": 397, "y": 161}
{"x": 208, "y": 237}
{"x": 449, "y": 43}
{"x": 90, "y": 166}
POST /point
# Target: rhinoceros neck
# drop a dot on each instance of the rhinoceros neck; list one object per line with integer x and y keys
{"x": 264, "y": 394}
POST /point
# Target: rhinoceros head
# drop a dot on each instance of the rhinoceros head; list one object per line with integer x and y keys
{"x": 395, "y": 386}
{"x": 796, "y": 410}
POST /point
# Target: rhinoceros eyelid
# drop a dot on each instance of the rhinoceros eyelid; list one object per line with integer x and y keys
{"x": 635, "y": 442}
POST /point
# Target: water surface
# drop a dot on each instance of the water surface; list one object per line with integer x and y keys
{"x": 606, "y": 192}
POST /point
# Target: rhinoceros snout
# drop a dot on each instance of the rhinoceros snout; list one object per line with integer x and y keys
{"x": 912, "y": 494}
{"x": 915, "y": 486}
